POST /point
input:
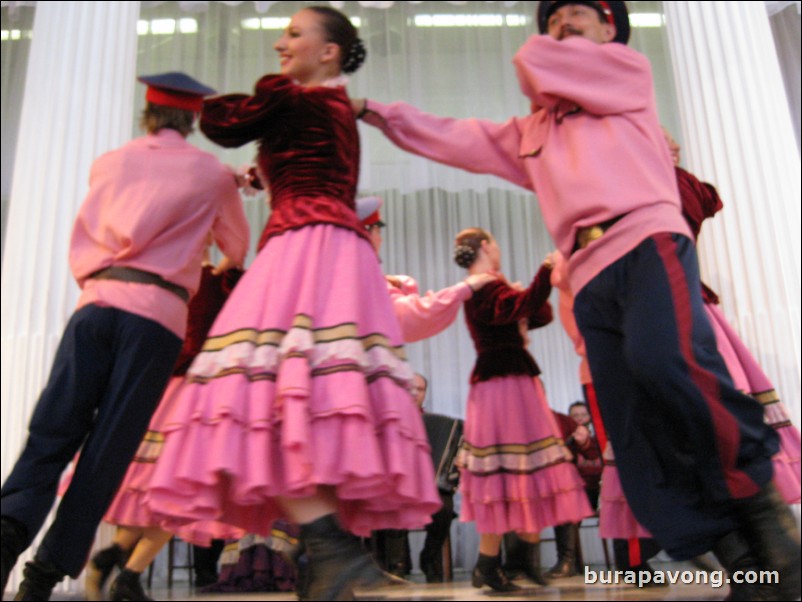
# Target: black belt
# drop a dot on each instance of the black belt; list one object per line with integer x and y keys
{"x": 141, "y": 277}
{"x": 586, "y": 235}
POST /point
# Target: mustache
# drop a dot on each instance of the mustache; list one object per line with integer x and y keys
{"x": 567, "y": 30}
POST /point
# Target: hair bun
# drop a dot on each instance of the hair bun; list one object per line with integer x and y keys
{"x": 356, "y": 56}
{"x": 464, "y": 256}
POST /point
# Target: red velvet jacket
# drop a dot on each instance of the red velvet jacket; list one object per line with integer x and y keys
{"x": 308, "y": 149}
{"x": 700, "y": 201}
{"x": 203, "y": 309}
{"x": 493, "y": 314}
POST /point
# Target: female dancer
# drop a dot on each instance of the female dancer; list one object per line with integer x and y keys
{"x": 298, "y": 403}
{"x": 516, "y": 473}
{"x": 420, "y": 316}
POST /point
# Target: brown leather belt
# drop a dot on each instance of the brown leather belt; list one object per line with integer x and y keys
{"x": 586, "y": 235}
{"x": 141, "y": 277}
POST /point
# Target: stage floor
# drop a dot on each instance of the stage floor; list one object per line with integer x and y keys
{"x": 573, "y": 588}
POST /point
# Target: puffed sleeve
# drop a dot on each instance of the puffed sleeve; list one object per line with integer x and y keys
{"x": 424, "y": 316}
{"x": 700, "y": 200}
{"x": 236, "y": 119}
{"x": 502, "y": 304}
{"x": 541, "y": 317}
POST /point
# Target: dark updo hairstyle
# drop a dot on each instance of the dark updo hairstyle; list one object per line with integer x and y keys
{"x": 342, "y": 32}
{"x": 467, "y": 245}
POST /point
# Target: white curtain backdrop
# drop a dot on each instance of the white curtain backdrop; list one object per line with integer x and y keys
{"x": 786, "y": 26}
{"x": 459, "y": 71}
{"x": 13, "y": 63}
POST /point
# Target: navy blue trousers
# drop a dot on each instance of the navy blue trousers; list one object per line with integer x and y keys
{"x": 687, "y": 443}
{"x": 108, "y": 376}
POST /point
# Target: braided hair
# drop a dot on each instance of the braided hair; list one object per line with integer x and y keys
{"x": 339, "y": 30}
{"x": 467, "y": 245}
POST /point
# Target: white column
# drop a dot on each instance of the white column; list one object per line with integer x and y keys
{"x": 739, "y": 136}
{"x": 78, "y": 103}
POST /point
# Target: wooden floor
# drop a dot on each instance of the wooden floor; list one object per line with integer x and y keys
{"x": 562, "y": 589}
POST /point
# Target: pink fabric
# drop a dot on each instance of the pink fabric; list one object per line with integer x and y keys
{"x": 559, "y": 280}
{"x": 150, "y": 205}
{"x": 516, "y": 491}
{"x": 749, "y": 377}
{"x": 129, "y": 507}
{"x": 616, "y": 520}
{"x": 786, "y": 464}
{"x": 564, "y": 151}
{"x": 424, "y": 316}
{"x": 301, "y": 383}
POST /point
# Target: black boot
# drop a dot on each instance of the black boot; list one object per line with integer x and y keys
{"x": 395, "y": 551}
{"x": 566, "y": 537}
{"x": 488, "y": 572}
{"x": 39, "y": 580}
{"x": 99, "y": 569}
{"x": 431, "y": 563}
{"x": 772, "y": 534}
{"x": 532, "y": 567}
{"x": 303, "y": 577}
{"x": 14, "y": 541}
{"x": 204, "y": 559}
{"x": 514, "y": 556}
{"x": 127, "y": 587}
{"x": 337, "y": 561}
{"x": 734, "y": 554}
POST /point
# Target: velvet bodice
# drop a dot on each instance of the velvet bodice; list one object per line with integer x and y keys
{"x": 308, "y": 149}
{"x": 493, "y": 315}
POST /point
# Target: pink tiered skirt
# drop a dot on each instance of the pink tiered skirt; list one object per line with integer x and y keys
{"x": 749, "y": 377}
{"x": 301, "y": 384}
{"x": 515, "y": 469}
{"x": 616, "y": 520}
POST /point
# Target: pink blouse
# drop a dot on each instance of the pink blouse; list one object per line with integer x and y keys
{"x": 424, "y": 316}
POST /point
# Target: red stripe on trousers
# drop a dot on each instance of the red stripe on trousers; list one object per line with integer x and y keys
{"x": 595, "y": 414}
{"x": 725, "y": 425}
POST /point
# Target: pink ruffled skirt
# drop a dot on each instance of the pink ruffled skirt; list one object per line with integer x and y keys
{"x": 302, "y": 383}
{"x": 749, "y": 377}
{"x": 515, "y": 469}
{"x": 129, "y": 508}
{"x": 616, "y": 520}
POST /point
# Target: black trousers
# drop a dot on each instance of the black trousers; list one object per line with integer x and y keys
{"x": 108, "y": 376}
{"x": 687, "y": 443}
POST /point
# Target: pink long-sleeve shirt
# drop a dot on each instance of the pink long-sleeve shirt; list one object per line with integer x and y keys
{"x": 150, "y": 206}
{"x": 424, "y": 316}
{"x": 592, "y": 148}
